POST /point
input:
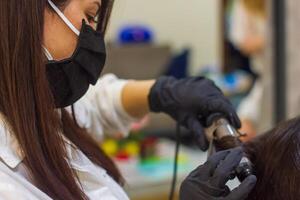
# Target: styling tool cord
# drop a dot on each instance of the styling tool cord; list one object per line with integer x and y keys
{"x": 174, "y": 180}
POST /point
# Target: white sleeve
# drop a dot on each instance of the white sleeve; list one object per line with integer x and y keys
{"x": 101, "y": 111}
{"x": 250, "y": 107}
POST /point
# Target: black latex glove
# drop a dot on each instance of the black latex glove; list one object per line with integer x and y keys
{"x": 191, "y": 101}
{"x": 208, "y": 181}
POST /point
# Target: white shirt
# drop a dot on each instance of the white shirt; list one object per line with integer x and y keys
{"x": 242, "y": 25}
{"x": 100, "y": 111}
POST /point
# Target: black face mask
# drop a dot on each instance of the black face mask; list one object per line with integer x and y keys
{"x": 70, "y": 78}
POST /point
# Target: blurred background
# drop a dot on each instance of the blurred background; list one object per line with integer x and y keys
{"x": 248, "y": 47}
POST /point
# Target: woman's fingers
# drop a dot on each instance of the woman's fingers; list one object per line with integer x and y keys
{"x": 224, "y": 170}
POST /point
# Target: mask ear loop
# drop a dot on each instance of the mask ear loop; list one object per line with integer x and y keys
{"x": 63, "y": 17}
{"x": 47, "y": 53}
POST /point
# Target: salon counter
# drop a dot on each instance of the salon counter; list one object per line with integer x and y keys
{"x": 153, "y": 181}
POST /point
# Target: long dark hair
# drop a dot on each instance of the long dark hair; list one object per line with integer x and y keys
{"x": 28, "y": 105}
{"x": 275, "y": 156}
{"x": 276, "y": 159}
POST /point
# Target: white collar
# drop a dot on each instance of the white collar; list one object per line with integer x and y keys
{"x": 10, "y": 151}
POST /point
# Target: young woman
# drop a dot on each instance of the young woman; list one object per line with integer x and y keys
{"x": 248, "y": 32}
{"x": 50, "y": 53}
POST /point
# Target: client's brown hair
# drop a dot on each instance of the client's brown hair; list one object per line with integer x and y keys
{"x": 276, "y": 159}
{"x": 227, "y": 142}
{"x": 275, "y": 156}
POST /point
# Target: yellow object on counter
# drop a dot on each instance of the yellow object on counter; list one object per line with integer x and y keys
{"x": 110, "y": 147}
{"x": 132, "y": 148}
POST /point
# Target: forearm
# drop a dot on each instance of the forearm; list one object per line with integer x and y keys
{"x": 135, "y": 97}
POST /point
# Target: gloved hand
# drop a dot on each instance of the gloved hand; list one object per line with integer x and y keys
{"x": 208, "y": 181}
{"x": 191, "y": 101}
